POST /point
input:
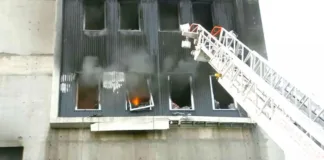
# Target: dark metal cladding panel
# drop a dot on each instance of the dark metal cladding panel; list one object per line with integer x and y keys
{"x": 161, "y": 52}
{"x": 72, "y": 27}
{"x": 253, "y": 27}
{"x": 249, "y": 25}
{"x": 150, "y": 23}
{"x": 185, "y": 11}
{"x": 224, "y": 14}
{"x": 202, "y": 93}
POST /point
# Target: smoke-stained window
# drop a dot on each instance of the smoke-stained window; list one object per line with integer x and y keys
{"x": 169, "y": 15}
{"x": 221, "y": 99}
{"x": 180, "y": 91}
{"x": 128, "y": 15}
{"x": 202, "y": 14}
{"x": 94, "y": 17}
{"x": 88, "y": 84}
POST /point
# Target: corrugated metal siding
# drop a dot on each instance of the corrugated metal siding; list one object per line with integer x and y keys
{"x": 116, "y": 46}
{"x": 224, "y": 14}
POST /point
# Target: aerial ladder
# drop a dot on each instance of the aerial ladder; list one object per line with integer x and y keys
{"x": 294, "y": 120}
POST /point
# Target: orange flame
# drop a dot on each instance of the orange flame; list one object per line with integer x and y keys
{"x": 136, "y": 101}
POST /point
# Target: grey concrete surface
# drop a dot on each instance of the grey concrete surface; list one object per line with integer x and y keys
{"x": 27, "y": 26}
{"x": 175, "y": 144}
{"x": 25, "y": 98}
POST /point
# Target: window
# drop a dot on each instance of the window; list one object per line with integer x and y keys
{"x": 169, "y": 16}
{"x": 11, "y": 153}
{"x": 180, "y": 90}
{"x": 202, "y": 14}
{"x": 128, "y": 15}
{"x": 139, "y": 95}
{"x": 88, "y": 97}
{"x": 88, "y": 85}
{"x": 220, "y": 98}
{"x": 94, "y": 14}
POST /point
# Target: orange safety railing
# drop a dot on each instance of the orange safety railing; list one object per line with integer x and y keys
{"x": 215, "y": 31}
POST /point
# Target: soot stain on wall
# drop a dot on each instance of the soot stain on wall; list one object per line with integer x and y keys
{"x": 150, "y": 49}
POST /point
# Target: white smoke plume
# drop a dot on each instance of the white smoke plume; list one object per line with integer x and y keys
{"x": 91, "y": 72}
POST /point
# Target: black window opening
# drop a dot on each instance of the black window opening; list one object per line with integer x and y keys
{"x": 94, "y": 11}
{"x": 180, "y": 90}
{"x": 87, "y": 92}
{"x": 129, "y": 16}
{"x": 139, "y": 95}
{"x": 221, "y": 99}
{"x": 202, "y": 14}
{"x": 169, "y": 16}
{"x": 11, "y": 153}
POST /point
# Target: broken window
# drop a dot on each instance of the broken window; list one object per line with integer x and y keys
{"x": 202, "y": 14}
{"x": 169, "y": 16}
{"x": 221, "y": 99}
{"x": 180, "y": 88}
{"x": 88, "y": 89}
{"x": 139, "y": 95}
{"x": 94, "y": 14}
{"x": 129, "y": 19}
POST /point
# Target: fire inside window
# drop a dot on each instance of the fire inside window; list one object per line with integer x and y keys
{"x": 221, "y": 99}
{"x": 139, "y": 95}
{"x": 94, "y": 11}
{"x": 202, "y": 14}
{"x": 129, "y": 17}
{"x": 87, "y": 95}
{"x": 180, "y": 90}
{"x": 169, "y": 15}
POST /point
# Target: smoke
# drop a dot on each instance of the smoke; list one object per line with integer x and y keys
{"x": 168, "y": 63}
{"x": 91, "y": 72}
{"x": 188, "y": 67}
{"x": 137, "y": 67}
{"x": 180, "y": 70}
{"x": 179, "y": 66}
{"x": 140, "y": 62}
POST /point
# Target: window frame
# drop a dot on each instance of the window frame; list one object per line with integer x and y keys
{"x": 151, "y": 101}
{"x": 77, "y": 96}
{"x": 84, "y": 18}
{"x": 211, "y": 11}
{"x": 139, "y": 10}
{"x": 212, "y": 95}
{"x": 192, "y": 101}
{"x": 159, "y": 19}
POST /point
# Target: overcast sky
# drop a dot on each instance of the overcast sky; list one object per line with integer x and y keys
{"x": 294, "y": 35}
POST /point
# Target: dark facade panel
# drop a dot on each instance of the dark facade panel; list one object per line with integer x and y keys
{"x": 11, "y": 153}
{"x": 224, "y": 14}
{"x": 147, "y": 51}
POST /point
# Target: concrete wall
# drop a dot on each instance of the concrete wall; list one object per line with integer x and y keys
{"x": 25, "y": 91}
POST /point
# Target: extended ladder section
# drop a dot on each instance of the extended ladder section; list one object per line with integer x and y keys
{"x": 292, "y": 119}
